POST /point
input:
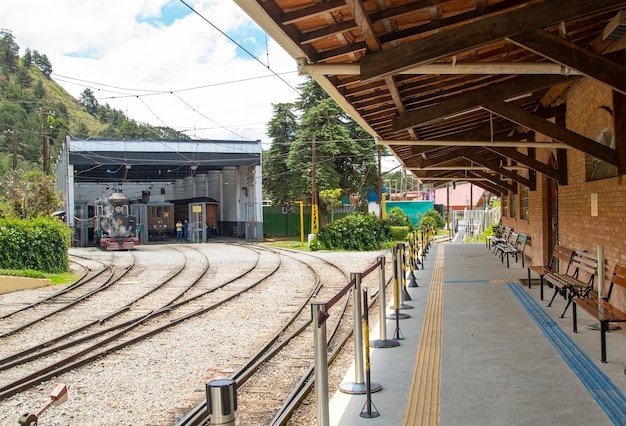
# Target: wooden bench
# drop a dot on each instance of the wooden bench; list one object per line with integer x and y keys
{"x": 503, "y": 238}
{"x": 602, "y": 309}
{"x": 498, "y": 234}
{"x": 560, "y": 254}
{"x": 515, "y": 249}
{"x": 509, "y": 244}
{"x": 571, "y": 284}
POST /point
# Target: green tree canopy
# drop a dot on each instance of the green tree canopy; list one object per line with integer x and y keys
{"x": 345, "y": 154}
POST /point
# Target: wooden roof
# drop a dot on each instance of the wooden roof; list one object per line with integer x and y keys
{"x": 455, "y": 88}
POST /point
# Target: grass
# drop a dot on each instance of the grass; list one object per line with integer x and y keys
{"x": 63, "y": 278}
{"x": 57, "y": 279}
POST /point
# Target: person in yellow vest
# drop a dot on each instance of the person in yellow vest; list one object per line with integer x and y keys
{"x": 179, "y": 231}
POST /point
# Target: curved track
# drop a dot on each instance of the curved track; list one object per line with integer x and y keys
{"x": 272, "y": 384}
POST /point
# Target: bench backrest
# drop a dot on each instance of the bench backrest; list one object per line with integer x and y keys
{"x": 521, "y": 242}
{"x": 618, "y": 278}
{"x": 562, "y": 254}
{"x": 584, "y": 262}
{"x": 512, "y": 240}
{"x": 506, "y": 232}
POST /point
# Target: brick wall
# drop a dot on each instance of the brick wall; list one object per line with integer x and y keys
{"x": 589, "y": 108}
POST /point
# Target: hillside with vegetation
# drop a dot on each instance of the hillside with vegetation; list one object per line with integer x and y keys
{"x": 34, "y": 108}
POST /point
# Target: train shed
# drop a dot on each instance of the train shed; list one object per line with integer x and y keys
{"x": 216, "y": 181}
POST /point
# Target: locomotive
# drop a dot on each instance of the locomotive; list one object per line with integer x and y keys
{"x": 115, "y": 228}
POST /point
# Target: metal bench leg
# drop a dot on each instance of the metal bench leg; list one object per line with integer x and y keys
{"x": 507, "y": 260}
{"x": 541, "y": 287}
{"x": 569, "y": 302}
{"x": 604, "y": 327}
{"x": 529, "y": 285}
{"x": 574, "y": 319}
{"x": 556, "y": 291}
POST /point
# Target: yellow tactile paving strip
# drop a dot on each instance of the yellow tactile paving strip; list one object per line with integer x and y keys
{"x": 424, "y": 397}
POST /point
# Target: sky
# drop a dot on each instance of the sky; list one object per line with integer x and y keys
{"x": 160, "y": 62}
{"x": 210, "y": 72}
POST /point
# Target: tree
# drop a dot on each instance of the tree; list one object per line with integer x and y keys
{"x": 9, "y": 51}
{"x": 344, "y": 152}
{"x": 277, "y": 181}
{"x": 42, "y": 63}
{"x": 89, "y": 101}
{"x": 332, "y": 199}
{"x": 30, "y": 195}
{"x": 39, "y": 91}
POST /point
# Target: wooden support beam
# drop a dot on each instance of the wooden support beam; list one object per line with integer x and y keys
{"x": 573, "y": 56}
{"x": 511, "y": 88}
{"x": 479, "y": 33}
{"x": 471, "y": 155}
{"x": 554, "y": 131}
{"x": 526, "y": 160}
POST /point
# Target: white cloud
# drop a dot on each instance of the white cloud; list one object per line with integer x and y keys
{"x": 118, "y": 44}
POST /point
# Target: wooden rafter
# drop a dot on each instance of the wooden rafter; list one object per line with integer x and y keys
{"x": 478, "y": 33}
{"x": 552, "y": 130}
{"x": 572, "y": 56}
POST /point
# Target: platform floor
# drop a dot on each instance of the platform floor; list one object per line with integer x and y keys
{"x": 480, "y": 348}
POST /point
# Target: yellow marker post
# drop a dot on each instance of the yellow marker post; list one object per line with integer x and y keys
{"x": 301, "y": 222}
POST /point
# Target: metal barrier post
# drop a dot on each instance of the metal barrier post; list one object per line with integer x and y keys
{"x": 397, "y": 315}
{"x": 383, "y": 342}
{"x": 368, "y": 410}
{"x": 319, "y": 316}
{"x": 358, "y": 386}
{"x": 412, "y": 281}
{"x": 403, "y": 257}
{"x": 221, "y": 401}
{"x": 399, "y": 267}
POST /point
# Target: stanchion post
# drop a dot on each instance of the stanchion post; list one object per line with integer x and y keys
{"x": 401, "y": 288}
{"x": 319, "y": 316}
{"x": 221, "y": 401}
{"x": 358, "y": 386}
{"x": 397, "y": 335}
{"x": 383, "y": 342}
{"x": 411, "y": 282}
{"x": 369, "y": 410}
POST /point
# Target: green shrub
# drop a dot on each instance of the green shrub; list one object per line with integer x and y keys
{"x": 427, "y": 221}
{"x": 397, "y": 217}
{"x": 433, "y": 213}
{"x": 39, "y": 244}
{"x": 358, "y": 231}
{"x": 399, "y": 233}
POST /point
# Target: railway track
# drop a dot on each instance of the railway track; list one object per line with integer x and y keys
{"x": 129, "y": 329}
{"x": 181, "y": 345}
{"x": 274, "y": 382}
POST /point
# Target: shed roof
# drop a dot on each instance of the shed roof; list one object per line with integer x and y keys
{"x": 107, "y": 160}
{"x": 457, "y": 89}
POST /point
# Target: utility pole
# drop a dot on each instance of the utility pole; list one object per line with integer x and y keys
{"x": 14, "y": 148}
{"x": 46, "y": 154}
{"x": 315, "y": 223}
{"x": 380, "y": 180}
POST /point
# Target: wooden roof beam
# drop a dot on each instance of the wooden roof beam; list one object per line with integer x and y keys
{"x": 572, "y": 56}
{"x": 552, "y": 130}
{"x": 479, "y": 33}
{"x": 511, "y": 88}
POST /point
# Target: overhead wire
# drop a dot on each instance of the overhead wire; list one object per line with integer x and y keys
{"x": 239, "y": 45}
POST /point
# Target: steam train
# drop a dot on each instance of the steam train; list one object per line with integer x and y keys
{"x": 114, "y": 227}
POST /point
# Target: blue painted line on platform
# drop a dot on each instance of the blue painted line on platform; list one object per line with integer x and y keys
{"x": 610, "y": 398}
{"x": 465, "y": 281}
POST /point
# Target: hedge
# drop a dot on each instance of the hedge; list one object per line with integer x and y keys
{"x": 39, "y": 244}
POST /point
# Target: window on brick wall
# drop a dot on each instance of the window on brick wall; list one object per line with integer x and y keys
{"x": 601, "y": 169}
{"x": 513, "y": 209}
{"x": 505, "y": 204}
{"x": 523, "y": 198}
